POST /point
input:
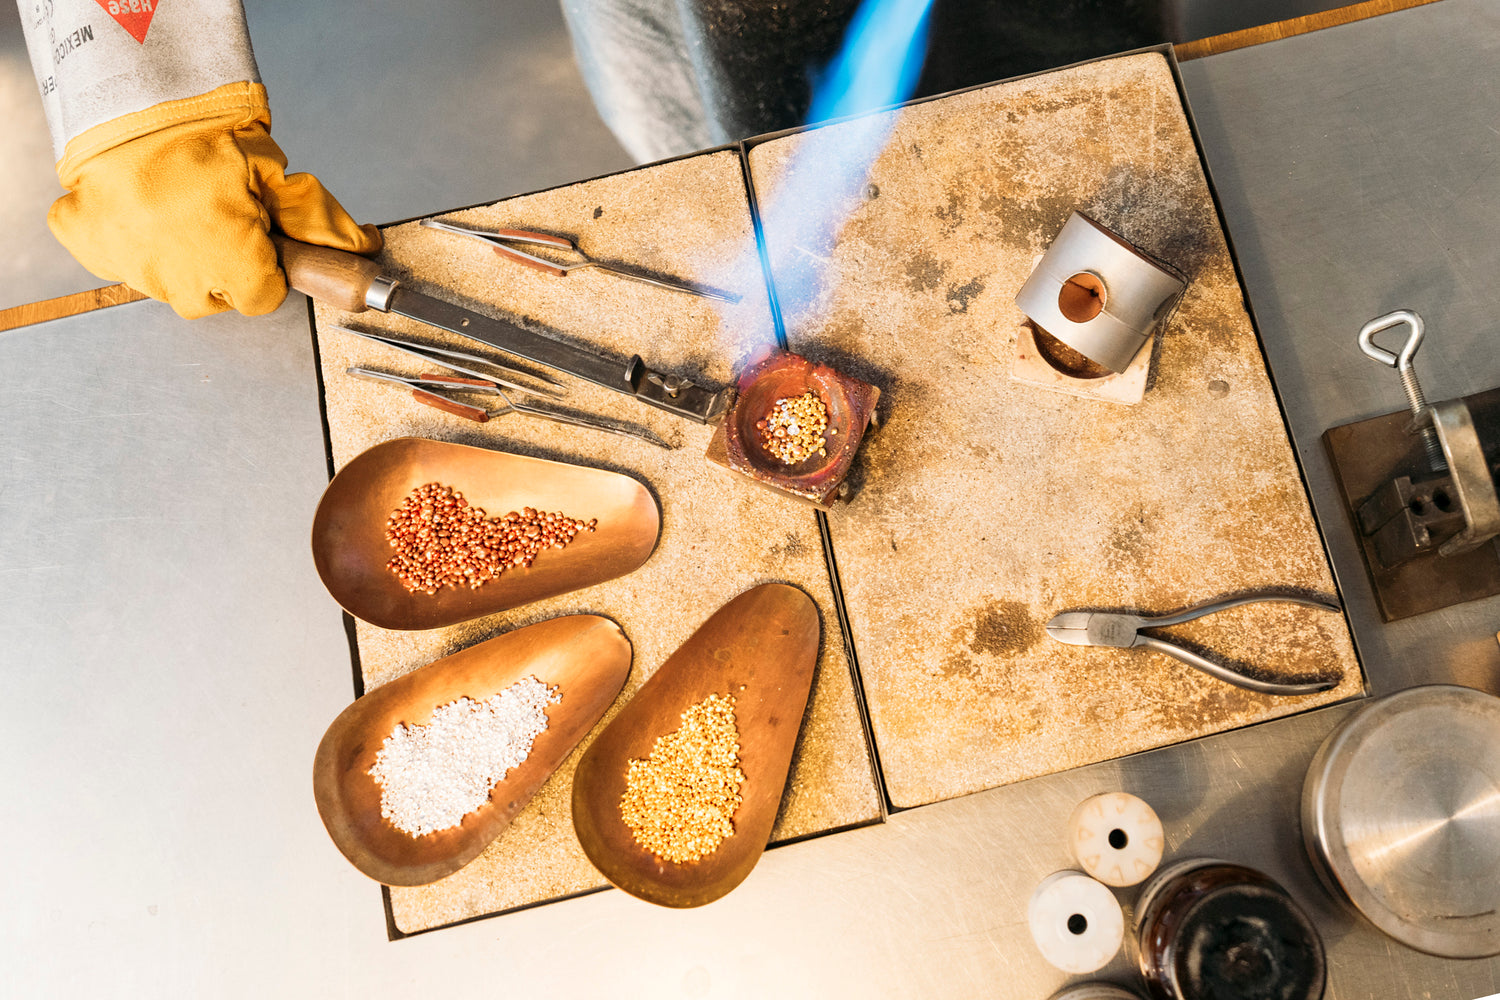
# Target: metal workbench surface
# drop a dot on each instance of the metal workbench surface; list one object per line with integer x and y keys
{"x": 171, "y": 658}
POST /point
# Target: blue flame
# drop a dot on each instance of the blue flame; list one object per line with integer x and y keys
{"x": 877, "y": 67}
{"x": 882, "y": 56}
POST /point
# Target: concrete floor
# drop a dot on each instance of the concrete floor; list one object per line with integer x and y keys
{"x": 345, "y": 78}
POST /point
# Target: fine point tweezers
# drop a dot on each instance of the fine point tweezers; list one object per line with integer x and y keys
{"x": 503, "y": 241}
{"x": 458, "y": 360}
{"x": 1097, "y": 628}
{"x": 425, "y": 388}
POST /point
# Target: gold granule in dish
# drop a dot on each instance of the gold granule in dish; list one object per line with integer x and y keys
{"x": 680, "y": 801}
{"x": 793, "y": 429}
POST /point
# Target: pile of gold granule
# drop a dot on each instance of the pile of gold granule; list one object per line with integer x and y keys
{"x": 793, "y": 429}
{"x": 679, "y": 801}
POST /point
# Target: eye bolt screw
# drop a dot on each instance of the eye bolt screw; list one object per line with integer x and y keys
{"x": 1403, "y": 364}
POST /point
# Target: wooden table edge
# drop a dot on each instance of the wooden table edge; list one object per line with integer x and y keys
{"x": 67, "y": 305}
{"x": 1292, "y": 26}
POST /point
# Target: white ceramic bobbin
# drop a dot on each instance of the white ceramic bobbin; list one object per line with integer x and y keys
{"x": 1076, "y": 922}
{"x": 1117, "y": 838}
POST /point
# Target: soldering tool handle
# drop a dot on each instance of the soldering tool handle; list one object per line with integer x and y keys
{"x": 333, "y": 277}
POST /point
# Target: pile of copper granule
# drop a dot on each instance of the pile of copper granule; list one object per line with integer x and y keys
{"x": 442, "y": 541}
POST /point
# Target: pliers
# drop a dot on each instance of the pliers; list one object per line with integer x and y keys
{"x": 1097, "y": 628}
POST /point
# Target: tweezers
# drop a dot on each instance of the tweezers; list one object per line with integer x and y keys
{"x": 458, "y": 361}
{"x": 503, "y": 241}
{"x": 425, "y": 388}
{"x": 1097, "y": 628}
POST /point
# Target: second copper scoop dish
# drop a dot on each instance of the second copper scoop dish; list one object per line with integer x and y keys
{"x": 584, "y": 657}
{"x": 760, "y": 649}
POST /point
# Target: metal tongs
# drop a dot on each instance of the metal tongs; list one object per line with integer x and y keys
{"x": 503, "y": 241}
{"x": 1097, "y": 628}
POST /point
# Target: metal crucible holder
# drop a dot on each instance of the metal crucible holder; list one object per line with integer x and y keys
{"x": 1093, "y": 303}
{"x": 818, "y": 479}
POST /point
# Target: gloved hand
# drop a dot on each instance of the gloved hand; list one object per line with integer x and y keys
{"x": 177, "y": 201}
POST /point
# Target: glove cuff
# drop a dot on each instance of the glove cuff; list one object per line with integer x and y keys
{"x": 226, "y": 108}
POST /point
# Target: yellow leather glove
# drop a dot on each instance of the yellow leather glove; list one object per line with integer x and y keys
{"x": 177, "y": 201}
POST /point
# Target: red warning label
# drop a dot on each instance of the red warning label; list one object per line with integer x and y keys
{"x": 134, "y": 15}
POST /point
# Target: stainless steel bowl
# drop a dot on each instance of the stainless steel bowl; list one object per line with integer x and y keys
{"x": 1095, "y": 991}
{"x": 1401, "y": 814}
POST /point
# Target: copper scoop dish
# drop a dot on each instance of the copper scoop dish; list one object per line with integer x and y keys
{"x": 350, "y": 547}
{"x": 585, "y": 657}
{"x": 761, "y": 649}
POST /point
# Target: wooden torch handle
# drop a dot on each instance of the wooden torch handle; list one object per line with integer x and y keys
{"x": 333, "y": 277}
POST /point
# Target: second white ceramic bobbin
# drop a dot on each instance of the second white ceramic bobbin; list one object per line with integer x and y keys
{"x": 1117, "y": 838}
{"x": 1076, "y": 922}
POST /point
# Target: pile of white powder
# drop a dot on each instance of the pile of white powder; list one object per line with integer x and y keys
{"x": 432, "y": 776}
